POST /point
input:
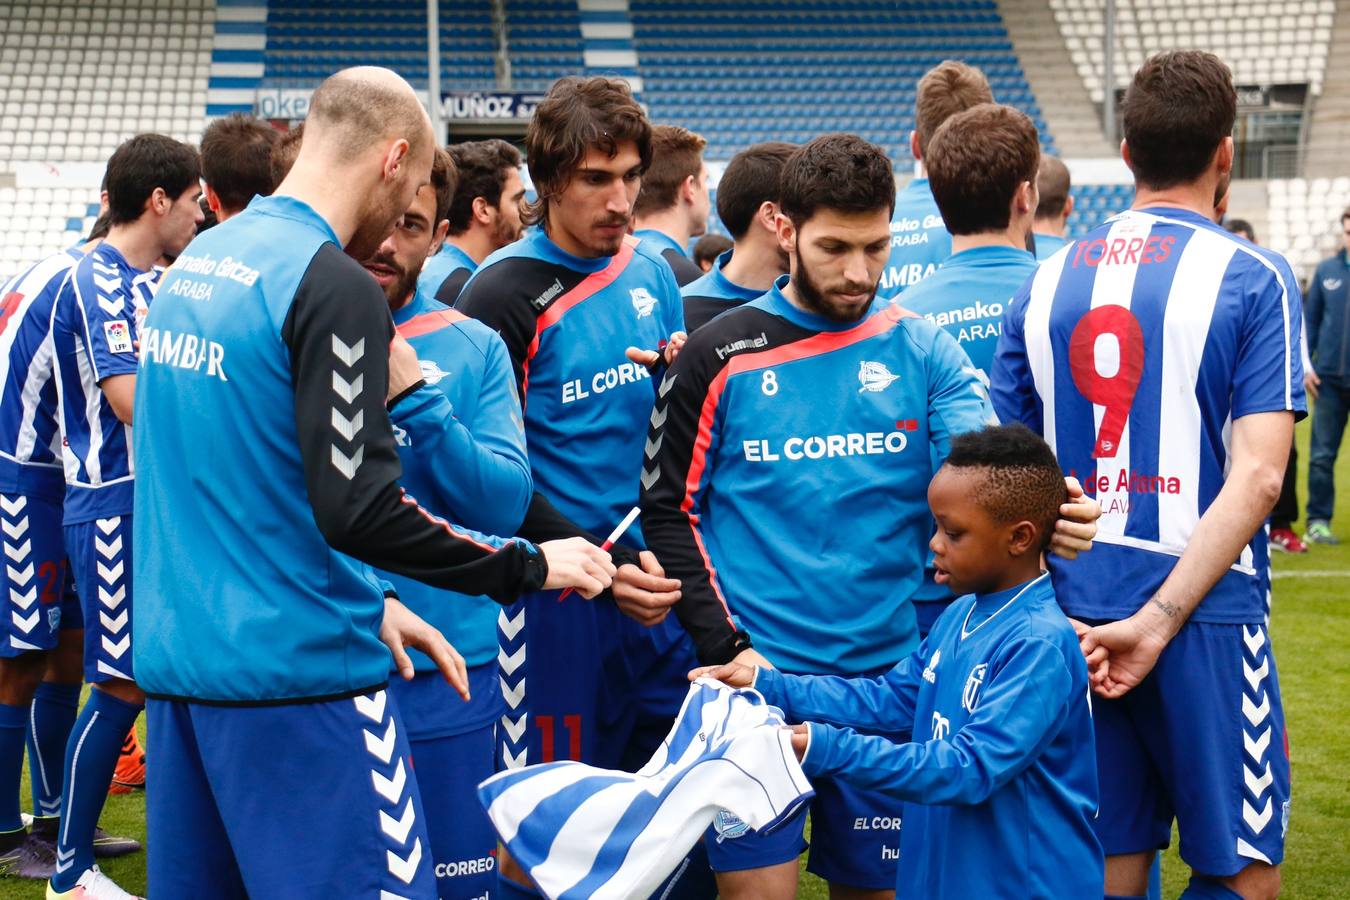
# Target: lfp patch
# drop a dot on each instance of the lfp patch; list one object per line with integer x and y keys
{"x": 118, "y": 335}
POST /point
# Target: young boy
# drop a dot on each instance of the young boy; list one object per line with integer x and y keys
{"x": 1000, "y": 785}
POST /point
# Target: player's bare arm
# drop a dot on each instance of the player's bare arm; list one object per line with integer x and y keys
{"x": 1260, "y": 449}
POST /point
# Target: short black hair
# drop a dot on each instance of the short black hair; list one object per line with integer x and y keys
{"x": 838, "y": 171}
{"x": 482, "y": 169}
{"x": 1177, "y": 111}
{"x": 237, "y": 159}
{"x": 751, "y": 178}
{"x": 1241, "y": 226}
{"x": 711, "y": 246}
{"x": 1022, "y": 480}
{"x": 146, "y": 162}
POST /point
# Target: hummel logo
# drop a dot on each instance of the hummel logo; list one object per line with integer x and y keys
{"x": 547, "y": 296}
{"x": 1332, "y": 284}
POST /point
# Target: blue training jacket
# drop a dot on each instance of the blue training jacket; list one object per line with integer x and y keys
{"x": 1000, "y": 781}
{"x": 270, "y": 473}
{"x": 462, "y": 445}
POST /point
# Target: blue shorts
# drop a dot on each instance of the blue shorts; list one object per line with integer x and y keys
{"x": 597, "y": 686}
{"x": 855, "y": 838}
{"x": 100, "y": 556}
{"x": 1201, "y": 740}
{"x": 36, "y": 578}
{"x": 452, "y": 750}
{"x": 307, "y": 800}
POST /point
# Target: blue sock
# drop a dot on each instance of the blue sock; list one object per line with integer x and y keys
{"x": 1207, "y": 889}
{"x": 91, "y": 756}
{"x": 509, "y": 890}
{"x": 13, "y": 723}
{"x": 53, "y": 715}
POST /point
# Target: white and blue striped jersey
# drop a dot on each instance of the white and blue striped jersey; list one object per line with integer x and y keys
{"x": 95, "y": 326}
{"x": 1132, "y": 351}
{"x": 584, "y": 832}
{"x": 30, "y": 443}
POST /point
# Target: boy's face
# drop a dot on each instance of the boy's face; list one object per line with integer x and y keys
{"x": 971, "y": 550}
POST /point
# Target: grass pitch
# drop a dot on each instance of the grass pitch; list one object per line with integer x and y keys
{"x": 1309, "y": 624}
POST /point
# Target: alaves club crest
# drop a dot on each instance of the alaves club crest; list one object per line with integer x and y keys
{"x": 874, "y": 377}
{"x": 643, "y": 302}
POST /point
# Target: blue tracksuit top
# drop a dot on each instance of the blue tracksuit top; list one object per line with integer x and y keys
{"x": 269, "y": 479}
{"x": 919, "y": 239}
{"x": 787, "y": 475}
{"x": 462, "y": 445}
{"x": 1000, "y": 781}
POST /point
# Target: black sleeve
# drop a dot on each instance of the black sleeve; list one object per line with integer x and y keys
{"x": 685, "y": 269}
{"x": 338, "y": 330}
{"x": 675, "y": 446}
{"x": 449, "y": 290}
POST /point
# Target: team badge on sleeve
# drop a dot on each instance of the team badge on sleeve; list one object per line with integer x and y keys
{"x": 118, "y": 335}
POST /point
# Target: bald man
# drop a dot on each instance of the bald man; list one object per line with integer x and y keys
{"x": 281, "y": 764}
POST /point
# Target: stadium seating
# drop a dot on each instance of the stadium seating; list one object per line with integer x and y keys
{"x": 307, "y": 42}
{"x": 1305, "y": 219}
{"x": 1265, "y": 41}
{"x": 76, "y": 79}
{"x": 742, "y": 71}
{"x": 1094, "y": 204}
{"x": 544, "y": 37}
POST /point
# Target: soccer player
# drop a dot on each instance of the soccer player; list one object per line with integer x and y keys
{"x": 153, "y": 192}
{"x": 747, "y": 204}
{"x": 673, "y": 205}
{"x": 1328, "y": 382}
{"x": 1159, "y": 356}
{"x": 263, "y": 416}
{"x": 237, "y": 163}
{"x": 597, "y": 682}
{"x": 1054, "y": 208}
{"x": 919, "y": 240}
{"x": 40, "y": 611}
{"x": 484, "y": 216}
{"x": 1000, "y": 788}
{"x": 789, "y": 452}
{"x": 982, "y": 171}
{"x": 462, "y": 447}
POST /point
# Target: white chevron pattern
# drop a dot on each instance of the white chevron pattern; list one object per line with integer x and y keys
{"x": 18, "y": 549}
{"x": 511, "y": 672}
{"x": 1258, "y": 777}
{"x": 115, "y": 624}
{"x": 348, "y": 389}
{"x": 396, "y": 823}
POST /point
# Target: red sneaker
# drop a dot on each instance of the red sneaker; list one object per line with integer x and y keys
{"x": 130, "y": 772}
{"x": 1285, "y": 541}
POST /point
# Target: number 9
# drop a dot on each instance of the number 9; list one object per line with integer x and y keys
{"x": 1114, "y": 392}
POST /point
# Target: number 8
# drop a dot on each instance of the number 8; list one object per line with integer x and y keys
{"x": 769, "y": 383}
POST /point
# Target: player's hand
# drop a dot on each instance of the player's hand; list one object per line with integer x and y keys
{"x": 752, "y": 657}
{"x": 801, "y": 739}
{"x": 404, "y": 370}
{"x": 403, "y": 628}
{"x": 1077, "y": 525}
{"x": 1311, "y": 383}
{"x": 578, "y": 564}
{"x": 1095, "y": 654}
{"x": 733, "y": 674}
{"x": 645, "y": 593}
{"x": 651, "y": 358}
{"x": 1132, "y": 647}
